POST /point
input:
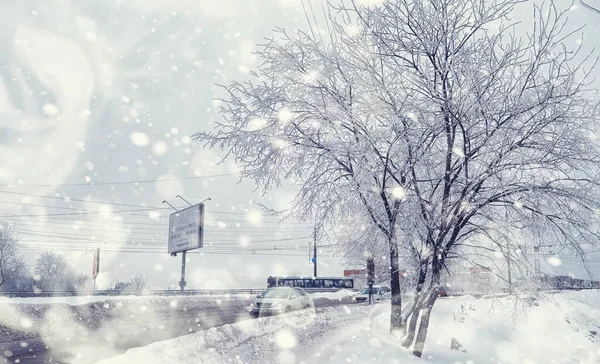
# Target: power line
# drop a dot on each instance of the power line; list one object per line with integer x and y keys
{"x": 92, "y": 184}
{"x": 162, "y": 248}
{"x": 157, "y": 232}
{"x": 69, "y": 199}
{"x": 46, "y": 206}
{"x": 81, "y": 237}
{"x": 81, "y": 213}
{"x": 199, "y": 251}
{"x": 140, "y": 210}
{"x": 130, "y": 228}
{"x": 154, "y": 226}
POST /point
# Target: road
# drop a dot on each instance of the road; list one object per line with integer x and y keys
{"x": 107, "y": 343}
{"x": 90, "y": 347}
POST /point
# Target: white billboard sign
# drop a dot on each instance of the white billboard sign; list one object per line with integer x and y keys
{"x": 186, "y": 229}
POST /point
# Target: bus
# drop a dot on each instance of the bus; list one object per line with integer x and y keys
{"x": 312, "y": 284}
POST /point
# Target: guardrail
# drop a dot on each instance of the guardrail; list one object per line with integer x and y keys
{"x": 152, "y": 292}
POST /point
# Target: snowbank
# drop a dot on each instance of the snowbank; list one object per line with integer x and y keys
{"x": 339, "y": 295}
{"x": 277, "y": 339}
{"x": 559, "y": 328}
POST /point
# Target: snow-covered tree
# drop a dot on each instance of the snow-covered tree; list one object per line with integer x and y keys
{"x": 139, "y": 282}
{"x": 55, "y": 273}
{"x": 502, "y": 136}
{"x": 9, "y": 250}
{"x": 311, "y": 116}
{"x": 430, "y": 119}
{"x": 589, "y": 5}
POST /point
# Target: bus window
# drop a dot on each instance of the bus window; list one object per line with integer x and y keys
{"x": 286, "y": 282}
{"x": 319, "y": 283}
{"x": 309, "y": 283}
{"x": 299, "y": 283}
{"x": 338, "y": 283}
{"x": 328, "y": 283}
{"x": 348, "y": 283}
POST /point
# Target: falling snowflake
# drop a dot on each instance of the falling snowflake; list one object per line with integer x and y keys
{"x": 160, "y": 148}
{"x": 139, "y": 139}
{"x": 50, "y": 109}
{"x": 285, "y": 339}
{"x": 554, "y": 261}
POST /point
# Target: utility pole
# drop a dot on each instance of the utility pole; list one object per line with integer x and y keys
{"x": 536, "y": 257}
{"x": 508, "y": 258}
{"x": 510, "y": 282}
{"x": 96, "y": 266}
{"x": 315, "y": 253}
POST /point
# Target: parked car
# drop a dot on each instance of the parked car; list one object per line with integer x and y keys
{"x": 442, "y": 292}
{"x": 279, "y": 300}
{"x": 379, "y": 294}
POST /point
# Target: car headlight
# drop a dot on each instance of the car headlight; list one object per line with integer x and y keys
{"x": 253, "y": 304}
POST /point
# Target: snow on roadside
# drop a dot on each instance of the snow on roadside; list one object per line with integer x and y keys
{"x": 275, "y": 339}
{"x": 557, "y": 329}
{"x": 560, "y": 328}
{"x": 339, "y": 295}
{"x": 554, "y": 329}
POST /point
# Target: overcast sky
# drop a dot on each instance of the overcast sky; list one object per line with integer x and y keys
{"x": 109, "y": 91}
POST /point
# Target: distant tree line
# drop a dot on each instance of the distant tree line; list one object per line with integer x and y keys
{"x": 51, "y": 272}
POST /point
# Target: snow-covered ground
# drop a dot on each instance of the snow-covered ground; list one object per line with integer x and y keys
{"x": 92, "y": 328}
{"x": 560, "y": 328}
{"x": 276, "y": 339}
{"x": 334, "y": 295}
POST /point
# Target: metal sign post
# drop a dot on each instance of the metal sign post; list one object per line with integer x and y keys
{"x": 182, "y": 281}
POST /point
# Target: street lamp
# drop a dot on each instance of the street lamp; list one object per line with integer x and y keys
{"x": 167, "y": 202}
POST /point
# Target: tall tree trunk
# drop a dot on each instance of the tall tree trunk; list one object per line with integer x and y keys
{"x": 412, "y": 324}
{"x": 424, "y": 322}
{"x": 396, "y": 323}
{"x": 429, "y": 301}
